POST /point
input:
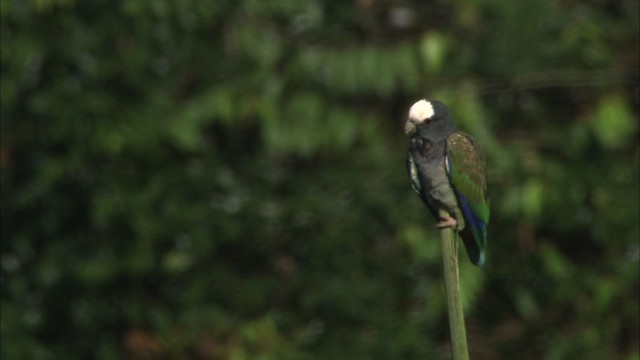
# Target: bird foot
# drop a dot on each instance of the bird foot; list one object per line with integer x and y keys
{"x": 447, "y": 222}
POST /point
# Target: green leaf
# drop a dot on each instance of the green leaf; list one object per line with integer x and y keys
{"x": 532, "y": 198}
{"x": 433, "y": 49}
{"x": 613, "y": 124}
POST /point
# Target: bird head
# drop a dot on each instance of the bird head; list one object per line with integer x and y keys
{"x": 428, "y": 116}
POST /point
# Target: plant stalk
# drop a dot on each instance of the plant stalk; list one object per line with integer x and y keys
{"x": 452, "y": 286}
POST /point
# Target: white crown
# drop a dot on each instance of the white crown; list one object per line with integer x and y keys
{"x": 420, "y": 111}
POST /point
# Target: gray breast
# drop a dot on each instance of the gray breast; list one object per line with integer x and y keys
{"x": 430, "y": 161}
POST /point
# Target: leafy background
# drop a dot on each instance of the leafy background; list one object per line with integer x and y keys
{"x": 225, "y": 180}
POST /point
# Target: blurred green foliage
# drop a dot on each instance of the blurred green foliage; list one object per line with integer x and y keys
{"x": 225, "y": 180}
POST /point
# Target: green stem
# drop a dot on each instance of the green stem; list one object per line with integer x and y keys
{"x": 452, "y": 285}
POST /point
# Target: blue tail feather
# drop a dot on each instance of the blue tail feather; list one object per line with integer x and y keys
{"x": 475, "y": 233}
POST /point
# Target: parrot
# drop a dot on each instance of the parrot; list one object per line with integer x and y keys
{"x": 447, "y": 169}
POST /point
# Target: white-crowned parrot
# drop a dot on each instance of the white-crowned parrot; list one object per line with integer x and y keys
{"x": 448, "y": 171}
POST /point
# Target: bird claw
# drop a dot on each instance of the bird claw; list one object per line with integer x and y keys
{"x": 447, "y": 222}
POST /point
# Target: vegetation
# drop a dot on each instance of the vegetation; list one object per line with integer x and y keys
{"x": 225, "y": 180}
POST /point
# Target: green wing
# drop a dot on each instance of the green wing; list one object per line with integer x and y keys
{"x": 467, "y": 172}
{"x": 412, "y": 170}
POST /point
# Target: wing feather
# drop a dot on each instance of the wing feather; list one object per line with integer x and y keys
{"x": 467, "y": 173}
{"x": 412, "y": 170}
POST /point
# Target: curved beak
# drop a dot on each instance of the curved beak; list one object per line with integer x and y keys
{"x": 409, "y": 127}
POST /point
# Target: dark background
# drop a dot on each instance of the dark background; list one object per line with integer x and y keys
{"x": 225, "y": 179}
